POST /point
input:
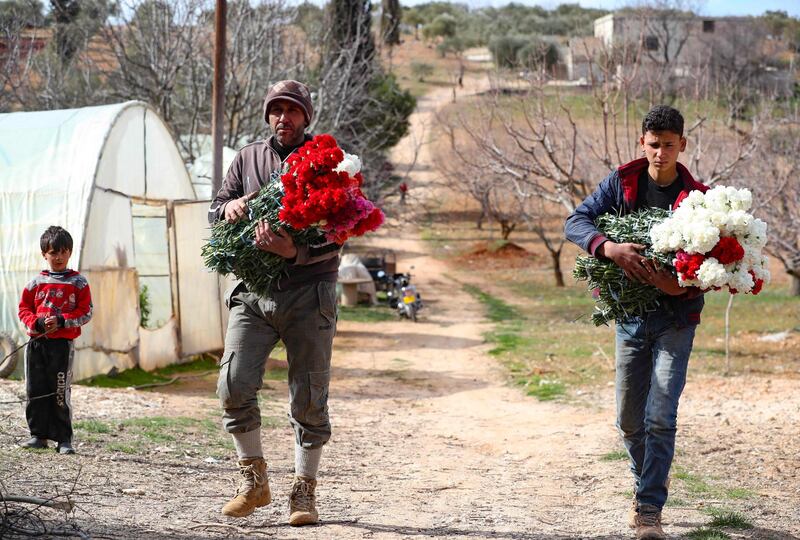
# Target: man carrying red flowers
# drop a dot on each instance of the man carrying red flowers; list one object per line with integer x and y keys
{"x": 300, "y": 311}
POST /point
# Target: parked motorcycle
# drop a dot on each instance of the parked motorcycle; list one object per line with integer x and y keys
{"x": 402, "y": 295}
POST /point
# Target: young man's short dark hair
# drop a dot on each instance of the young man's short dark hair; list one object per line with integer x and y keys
{"x": 55, "y": 238}
{"x": 663, "y": 118}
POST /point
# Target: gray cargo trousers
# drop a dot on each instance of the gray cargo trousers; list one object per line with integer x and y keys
{"x": 305, "y": 320}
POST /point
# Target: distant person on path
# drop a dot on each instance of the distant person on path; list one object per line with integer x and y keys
{"x": 403, "y": 191}
{"x": 54, "y": 306}
{"x": 652, "y": 352}
{"x": 301, "y": 312}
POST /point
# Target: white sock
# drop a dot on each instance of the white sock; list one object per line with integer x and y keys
{"x": 306, "y": 461}
{"x": 248, "y": 445}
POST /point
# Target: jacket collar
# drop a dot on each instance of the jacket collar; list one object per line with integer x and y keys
{"x": 629, "y": 179}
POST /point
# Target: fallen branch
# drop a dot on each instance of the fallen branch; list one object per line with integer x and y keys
{"x": 154, "y": 385}
{"x": 173, "y": 380}
{"x": 231, "y": 527}
{"x": 67, "y": 505}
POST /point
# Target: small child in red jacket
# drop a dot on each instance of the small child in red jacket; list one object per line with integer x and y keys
{"x": 53, "y": 308}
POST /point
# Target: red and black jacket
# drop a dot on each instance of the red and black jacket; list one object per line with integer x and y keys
{"x": 65, "y": 295}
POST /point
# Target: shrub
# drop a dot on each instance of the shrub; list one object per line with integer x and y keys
{"x": 421, "y": 70}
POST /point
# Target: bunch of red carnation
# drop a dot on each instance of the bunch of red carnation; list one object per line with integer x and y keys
{"x": 727, "y": 251}
{"x": 687, "y": 264}
{"x": 323, "y": 189}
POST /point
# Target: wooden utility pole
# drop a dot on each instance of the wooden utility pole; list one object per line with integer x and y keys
{"x": 218, "y": 94}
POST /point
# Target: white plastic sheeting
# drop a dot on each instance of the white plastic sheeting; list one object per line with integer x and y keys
{"x": 157, "y": 348}
{"x": 83, "y": 169}
{"x": 113, "y": 332}
{"x": 200, "y": 313}
{"x": 110, "y": 212}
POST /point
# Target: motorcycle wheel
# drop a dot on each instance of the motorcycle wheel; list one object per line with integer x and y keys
{"x": 7, "y": 365}
{"x": 412, "y": 313}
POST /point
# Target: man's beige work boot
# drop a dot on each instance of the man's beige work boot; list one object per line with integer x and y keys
{"x": 648, "y": 523}
{"x": 302, "y": 502}
{"x": 252, "y": 492}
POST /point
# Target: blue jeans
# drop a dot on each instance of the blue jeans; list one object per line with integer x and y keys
{"x": 652, "y": 358}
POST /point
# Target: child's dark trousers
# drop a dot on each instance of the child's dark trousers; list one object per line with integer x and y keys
{"x": 48, "y": 377}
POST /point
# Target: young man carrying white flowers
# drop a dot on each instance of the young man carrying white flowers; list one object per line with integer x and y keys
{"x": 652, "y": 351}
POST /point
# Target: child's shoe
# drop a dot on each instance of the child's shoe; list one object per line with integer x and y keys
{"x": 65, "y": 448}
{"x": 34, "y": 442}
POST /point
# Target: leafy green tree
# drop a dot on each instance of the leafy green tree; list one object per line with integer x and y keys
{"x": 348, "y": 22}
{"x": 444, "y": 25}
{"x": 421, "y": 70}
{"x": 21, "y": 13}
{"x": 413, "y": 17}
{"x": 431, "y": 10}
{"x": 391, "y": 118}
{"x": 363, "y": 107}
{"x": 75, "y": 22}
{"x": 454, "y": 44}
{"x": 505, "y": 50}
{"x": 537, "y": 54}
{"x": 780, "y": 24}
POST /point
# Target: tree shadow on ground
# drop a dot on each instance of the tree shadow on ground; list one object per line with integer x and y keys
{"x": 411, "y": 383}
{"x": 402, "y": 341}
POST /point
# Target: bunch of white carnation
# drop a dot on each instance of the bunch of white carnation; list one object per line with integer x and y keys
{"x": 351, "y": 164}
{"x": 704, "y": 224}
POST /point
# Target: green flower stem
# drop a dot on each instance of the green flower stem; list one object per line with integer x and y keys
{"x": 619, "y": 298}
{"x": 231, "y": 248}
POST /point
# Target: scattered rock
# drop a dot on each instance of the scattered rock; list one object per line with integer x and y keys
{"x": 776, "y": 338}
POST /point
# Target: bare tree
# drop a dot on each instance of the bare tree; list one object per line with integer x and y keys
{"x": 773, "y": 179}
{"x": 51, "y": 68}
{"x": 520, "y": 162}
{"x": 613, "y": 79}
{"x": 666, "y": 31}
{"x": 473, "y": 174}
{"x": 153, "y": 42}
{"x": 259, "y": 53}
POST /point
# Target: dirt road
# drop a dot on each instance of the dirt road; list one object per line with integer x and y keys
{"x": 429, "y": 440}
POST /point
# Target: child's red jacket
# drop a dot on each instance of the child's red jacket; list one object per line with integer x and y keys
{"x": 63, "y": 294}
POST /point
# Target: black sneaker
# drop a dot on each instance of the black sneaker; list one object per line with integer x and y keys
{"x": 34, "y": 442}
{"x": 65, "y": 448}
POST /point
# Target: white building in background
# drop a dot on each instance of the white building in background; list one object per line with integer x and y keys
{"x": 683, "y": 40}
{"x": 682, "y": 44}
